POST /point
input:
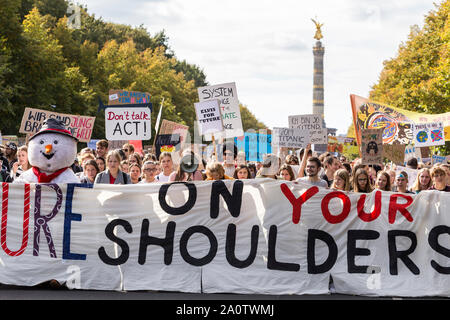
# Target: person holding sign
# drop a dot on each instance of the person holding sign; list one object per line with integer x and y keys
{"x": 313, "y": 166}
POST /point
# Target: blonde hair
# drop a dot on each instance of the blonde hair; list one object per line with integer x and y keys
{"x": 416, "y": 186}
{"x": 215, "y": 167}
{"x": 344, "y": 175}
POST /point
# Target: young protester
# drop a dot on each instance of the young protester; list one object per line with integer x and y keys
{"x": 101, "y": 163}
{"x": 215, "y": 171}
{"x": 401, "y": 182}
{"x": 135, "y": 173}
{"x": 149, "y": 169}
{"x": 128, "y": 149}
{"x": 22, "y": 163}
{"x": 252, "y": 168}
{"x": 229, "y": 158}
{"x": 182, "y": 175}
{"x": 90, "y": 170}
{"x": 423, "y": 181}
{"x": 341, "y": 180}
{"x": 313, "y": 166}
{"x": 113, "y": 174}
{"x": 166, "y": 163}
{"x": 292, "y": 160}
{"x": 102, "y": 148}
{"x": 361, "y": 182}
{"x": 124, "y": 166}
{"x": 135, "y": 158}
{"x": 286, "y": 173}
{"x": 438, "y": 176}
{"x": 383, "y": 181}
{"x": 331, "y": 165}
{"x": 242, "y": 172}
{"x": 11, "y": 153}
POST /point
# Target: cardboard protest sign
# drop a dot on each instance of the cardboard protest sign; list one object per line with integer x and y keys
{"x": 80, "y": 126}
{"x": 166, "y": 143}
{"x": 117, "y": 97}
{"x": 394, "y": 152}
{"x": 190, "y": 237}
{"x": 428, "y": 134}
{"x": 372, "y": 146}
{"x": 229, "y": 108}
{"x": 170, "y": 127}
{"x": 290, "y": 138}
{"x": 209, "y": 117}
{"x": 412, "y": 152}
{"x": 255, "y": 145}
{"x": 128, "y": 123}
{"x": 312, "y": 123}
{"x": 438, "y": 159}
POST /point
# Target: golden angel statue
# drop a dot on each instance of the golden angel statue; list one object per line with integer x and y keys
{"x": 318, "y": 34}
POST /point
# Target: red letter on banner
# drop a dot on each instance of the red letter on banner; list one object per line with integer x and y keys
{"x": 394, "y": 207}
{"x": 26, "y": 220}
{"x": 297, "y": 202}
{"x": 345, "y": 210}
{"x": 367, "y": 217}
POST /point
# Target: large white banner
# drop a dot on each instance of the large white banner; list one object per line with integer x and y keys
{"x": 254, "y": 236}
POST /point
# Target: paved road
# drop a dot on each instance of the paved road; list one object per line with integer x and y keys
{"x": 8, "y": 292}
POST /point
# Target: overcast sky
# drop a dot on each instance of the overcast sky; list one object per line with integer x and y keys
{"x": 265, "y": 46}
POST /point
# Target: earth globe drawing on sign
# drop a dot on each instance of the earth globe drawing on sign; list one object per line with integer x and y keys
{"x": 381, "y": 120}
{"x": 422, "y": 136}
{"x": 436, "y": 135}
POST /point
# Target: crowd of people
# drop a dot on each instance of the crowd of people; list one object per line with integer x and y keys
{"x": 125, "y": 166}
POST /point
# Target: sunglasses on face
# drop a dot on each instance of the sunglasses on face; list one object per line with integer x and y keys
{"x": 125, "y": 150}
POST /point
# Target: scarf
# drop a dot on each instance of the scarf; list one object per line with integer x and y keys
{"x": 44, "y": 178}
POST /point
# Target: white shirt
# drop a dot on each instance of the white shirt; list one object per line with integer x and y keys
{"x": 162, "y": 178}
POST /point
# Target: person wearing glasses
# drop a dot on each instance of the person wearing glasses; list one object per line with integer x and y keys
{"x": 361, "y": 182}
{"x": 128, "y": 149}
{"x": 149, "y": 170}
{"x": 113, "y": 174}
{"x": 229, "y": 156}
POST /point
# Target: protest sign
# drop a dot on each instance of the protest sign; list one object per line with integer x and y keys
{"x": 93, "y": 144}
{"x": 428, "y": 134}
{"x": 313, "y": 123}
{"x": 170, "y": 127}
{"x": 198, "y": 237}
{"x": 412, "y": 152}
{"x": 255, "y": 145}
{"x": 209, "y": 117}
{"x": 117, "y": 97}
{"x": 438, "y": 159}
{"x": 394, "y": 152}
{"x": 79, "y": 126}
{"x": 372, "y": 146}
{"x": 397, "y": 123}
{"x": 167, "y": 143}
{"x": 289, "y": 138}
{"x": 128, "y": 123}
{"x": 229, "y": 108}
{"x": 10, "y": 138}
{"x": 137, "y": 144}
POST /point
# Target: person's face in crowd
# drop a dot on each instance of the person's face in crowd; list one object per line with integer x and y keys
{"x": 150, "y": 171}
{"x": 284, "y": 174}
{"x": 381, "y": 182}
{"x": 363, "y": 180}
{"x": 228, "y": 157}
{"x": 113, "y": 164}
{"x": 252, "y": 172}
{"x": 258, "y": 166}
{"x": 101, "y": 151}
{"x": 312, "y": 169}
{"x": 100, "y": 164}
{"x": 424, "y": 178}
{"x": 242, "y": 174}
{"x": 343, "y": 159}
{"x": 124, "y": 167}
{"x": 135, "y": 173}
{"x": 402, "y": 183}
{"x": 22, "y": 157}
{"x": 90, "y": 172}
{"x": 166, "y": 164}
{"x": 392, "y": 175}
{"x": 336, "y": 165}
{"x": 339, "y": 183}
{"x": 126, "y": 150}
{"x": 439, "y": 179}
{"x": 132, "y": 159}
{"x": 214, "y": 175}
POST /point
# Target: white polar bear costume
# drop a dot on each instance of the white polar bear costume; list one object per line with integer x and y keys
{"x": 51, "y": 152}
